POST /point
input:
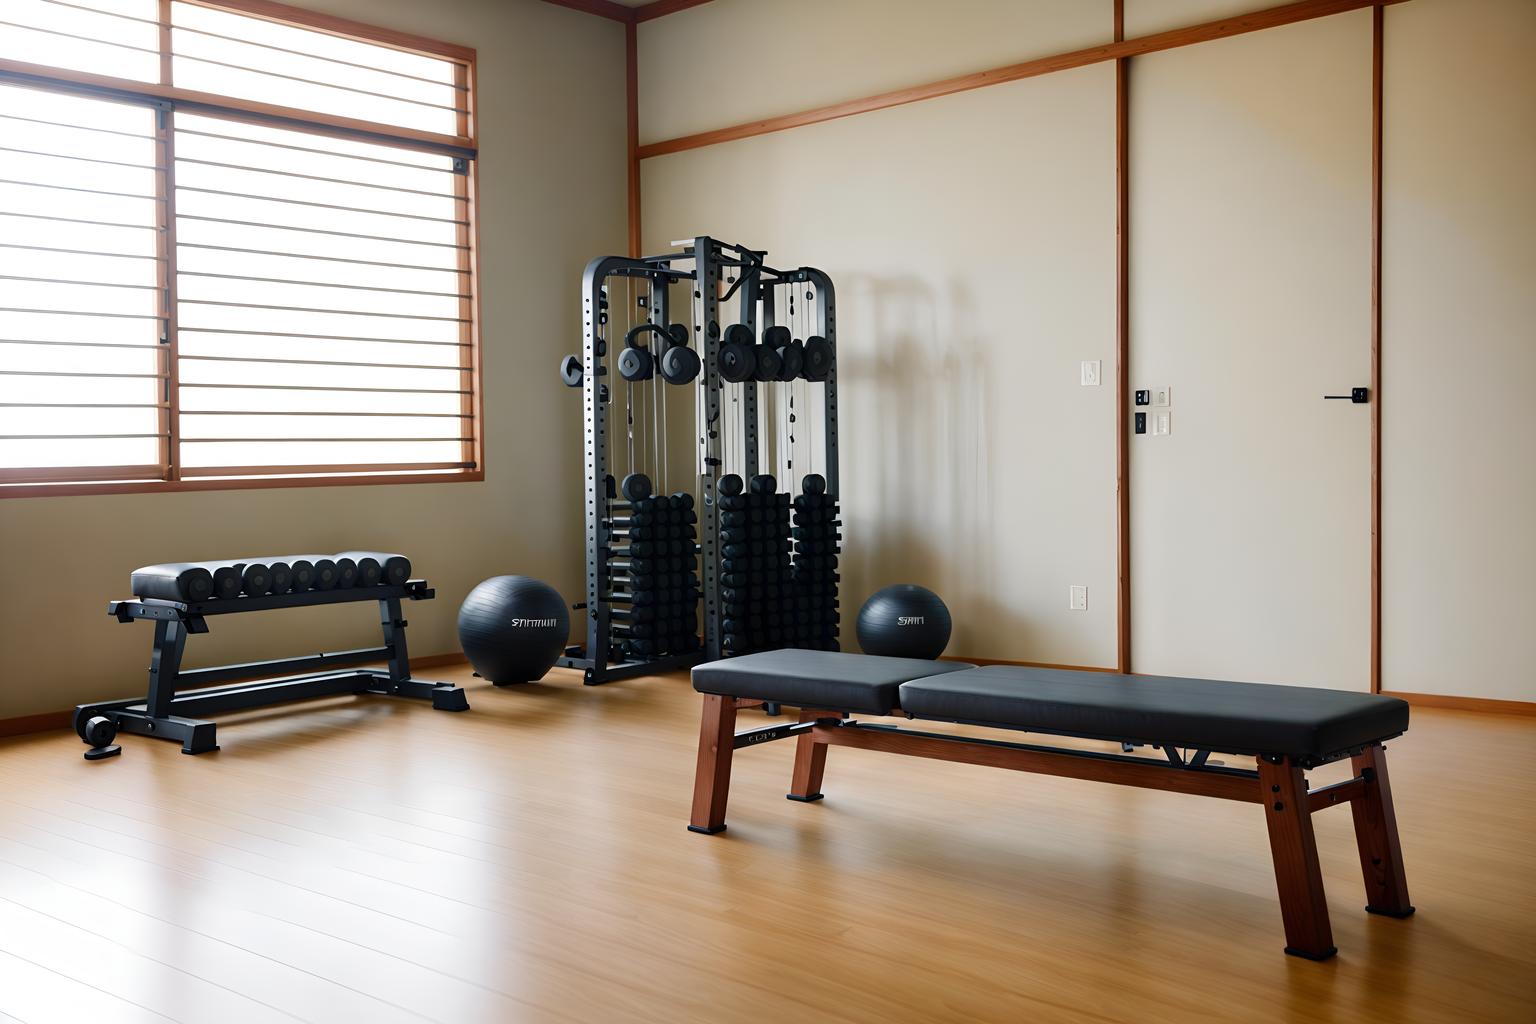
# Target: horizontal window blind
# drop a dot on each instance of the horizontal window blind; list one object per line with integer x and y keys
{"x": 234, "y": 55}
{"x": 193, "y": 289}
{"x": 82, "y": 356}
{"x": 323, "y": 302}
{"x": 119, "y": 38}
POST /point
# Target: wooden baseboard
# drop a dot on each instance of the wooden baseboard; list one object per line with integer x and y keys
{"x": 50, "y": 720}
{"x": 439, "y": 660}
{"x": 26, "y": 724}
{"x": 1487, "y": 705}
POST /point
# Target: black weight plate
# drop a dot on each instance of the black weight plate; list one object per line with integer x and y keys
{"x": 791, "y": 362}
{"x": 680, "y": 365}
{"x": 636, "y": 364}
{"x": 737, "y": 361}
{"x": 818, "y": 358}
{"x": 636, "y": 486}
{"x": 767, "y": 365}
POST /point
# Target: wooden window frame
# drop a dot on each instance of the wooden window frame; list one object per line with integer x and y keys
{"x": 167, "y": 98}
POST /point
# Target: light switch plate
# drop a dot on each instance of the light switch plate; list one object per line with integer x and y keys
{"x": 1162, "y": 396}
{"x": 1092, "y": 373}
{"x": 1162, "y": 424}
{"x": 1077, "y": 598}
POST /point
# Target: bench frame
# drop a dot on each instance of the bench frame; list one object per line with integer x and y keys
{"x": 171, "y": 712}
{"x": 1278, "y": 783}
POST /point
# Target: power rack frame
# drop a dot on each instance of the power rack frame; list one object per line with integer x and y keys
{"x": 755, "y": 290}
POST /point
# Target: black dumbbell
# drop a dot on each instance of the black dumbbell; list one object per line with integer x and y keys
{"x": 738, "y": 357}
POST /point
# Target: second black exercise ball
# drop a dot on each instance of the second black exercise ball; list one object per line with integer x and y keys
{"x": 904, "y": 621}
{"x": 513, "y": 628}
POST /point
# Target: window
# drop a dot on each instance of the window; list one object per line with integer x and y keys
{"x": 246, "y": 257}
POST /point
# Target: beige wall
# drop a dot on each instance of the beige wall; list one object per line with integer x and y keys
{"x": 973, "y": 367}
{"x": 1250, "y": 298}
{"x": 732, "y": 61}
{"x": 1459, "y": 446}
{"x": 975, "y": 270}
{"x": 1144, "y": 17}
{"x": 552, "y": 194}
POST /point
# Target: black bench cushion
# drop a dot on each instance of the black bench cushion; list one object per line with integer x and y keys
{"x": 1307, "y": 724}
{"x": 817, "y": 679}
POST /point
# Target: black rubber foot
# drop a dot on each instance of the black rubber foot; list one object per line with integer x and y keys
{"x": 804, "y": 799}
{"x": 200, "y": 750}
{"x": 450, "y": 700}
{"x": 705, "y": 831}
{"x": 1327, "y": 954}
{"x": 99, "y": 753}
{"x": 1384, "y": 912}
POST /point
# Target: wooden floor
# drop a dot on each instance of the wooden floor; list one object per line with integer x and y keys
{"x": 375, "y": 860}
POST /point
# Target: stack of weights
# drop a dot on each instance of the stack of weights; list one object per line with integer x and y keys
{"x": 756, "y": 595}
{"x": 659, "y": 580}
{"x": 815, "y": 574}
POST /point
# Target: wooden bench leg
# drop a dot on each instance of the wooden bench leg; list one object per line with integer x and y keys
{"x": 1381, "y": 855}
{"x": 1298, "y": 874}
{"x": 810, "y": 762}
{"x": 712, "y": 783}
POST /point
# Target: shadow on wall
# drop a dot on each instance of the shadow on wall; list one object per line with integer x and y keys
{"x": 917, "y": 416}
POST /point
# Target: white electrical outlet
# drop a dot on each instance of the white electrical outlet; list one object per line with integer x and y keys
{"x": 1162, "y": 396}
{"x": 1077, "y": 598}
{"x": 1162, "y": 424}
{"x": 1092, "y": 374}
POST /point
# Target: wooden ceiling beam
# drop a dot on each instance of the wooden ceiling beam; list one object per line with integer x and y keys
{"x": 628, "y": 15}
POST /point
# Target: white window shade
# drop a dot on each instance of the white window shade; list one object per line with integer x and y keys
{"x": 234, "y": 55}
{"x": 119, "y": 38}
{"x": 236, "y": 242}
{"x": 323, "y": 303}
{"x": 82, "y": 359}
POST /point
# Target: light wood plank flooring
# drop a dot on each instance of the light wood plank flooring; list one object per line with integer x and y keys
{"x": 375, "y": 860}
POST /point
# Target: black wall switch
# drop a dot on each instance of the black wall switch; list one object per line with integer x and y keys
{"x": 1143, "y": 398}
{"x": 1141, "y": 422}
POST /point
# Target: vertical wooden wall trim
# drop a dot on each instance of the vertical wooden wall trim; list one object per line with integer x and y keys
{"x": 170, "y": 364}
{"x": 1378, "y": 21}
{"x": 1122, "y": 346}
{"x": 632, "y": 119}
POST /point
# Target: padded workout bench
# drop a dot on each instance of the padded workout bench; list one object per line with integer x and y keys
{"x": 1288, "y": 729}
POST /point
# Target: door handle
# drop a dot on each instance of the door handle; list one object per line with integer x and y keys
{"x": 1359, "y": 396}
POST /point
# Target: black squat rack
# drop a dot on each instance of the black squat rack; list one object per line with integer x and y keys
{"x": 761, "y": 378}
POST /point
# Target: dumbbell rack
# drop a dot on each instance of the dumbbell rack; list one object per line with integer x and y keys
{"x": 758, "y": 287}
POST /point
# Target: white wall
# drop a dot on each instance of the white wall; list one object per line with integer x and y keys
{"x": 1459, "y": 363}
{"x": 552, "y": 194}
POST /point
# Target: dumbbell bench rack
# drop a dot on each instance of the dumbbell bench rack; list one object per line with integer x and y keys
{"x": 168, "y": 714}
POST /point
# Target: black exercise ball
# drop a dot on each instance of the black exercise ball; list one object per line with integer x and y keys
{"x": 904, "y": 621}
{"x": 513, "y": 628}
